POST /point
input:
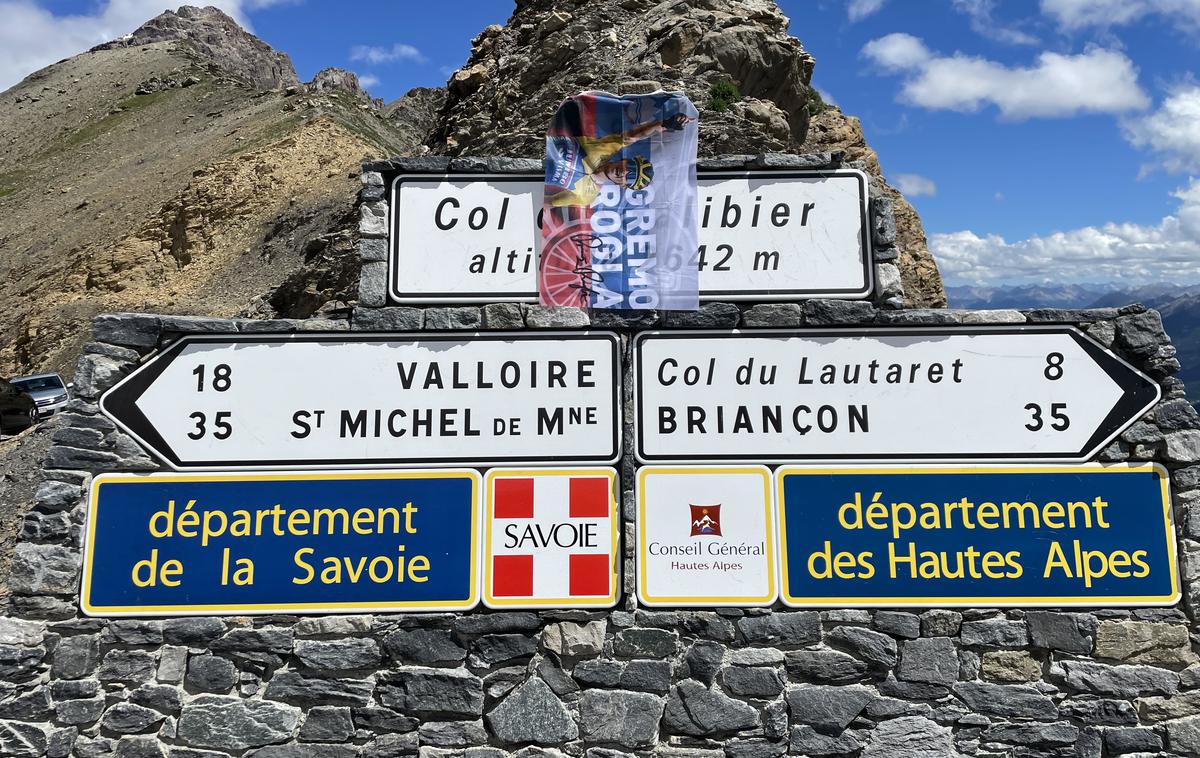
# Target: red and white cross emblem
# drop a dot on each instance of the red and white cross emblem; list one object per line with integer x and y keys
{"x": 551, "y": 538}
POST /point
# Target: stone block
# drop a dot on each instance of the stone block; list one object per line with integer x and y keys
{"x": 453, "y": 318}
{"x": 552, "y": 317}
{"x": 372, "y": 219}
{"x": 878, "y": 650}
{"x": 825, "y": 666}
{"x": 1007, "y": 700}
{"x": 1144, "y": 642}
{"x": 210, "y": 673}
{"x": 393, "y": 319}
{"x": 137, "y": 330}
{"x": 1058, "y": 631}
{"x": 933, "y": 660}
{"x": 911, "y": 737}
{"x": 773, "y": 315}
{"x": 994, "y": 632}
{"x": 645, "y": 643}
{"x": 430, "y": 692}
{"x": 532, "y": 713}
{"x": 575, "y": 640}
{"x": 781, "y": 628}
{"x": 76, "y": 657}
{"x": 826, "y": 707}
{"x": 235, "y": 724}
{"x": 299, "y": 689}
{"x": 617, "y": 717}
{"x": 1011, "y": 666}
{"x": 338, "y": 655}
{"x": 372, "y": 284}
{"x": 503, "y": 316}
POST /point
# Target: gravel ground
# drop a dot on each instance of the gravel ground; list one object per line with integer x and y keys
{"x": 21, "y": 457}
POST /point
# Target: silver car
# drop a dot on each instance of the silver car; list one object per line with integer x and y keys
{"x": 49, "y": 391}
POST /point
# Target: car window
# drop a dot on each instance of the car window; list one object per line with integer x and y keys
{"x": 40, "y": 383}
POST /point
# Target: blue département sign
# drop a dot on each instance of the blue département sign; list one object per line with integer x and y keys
{"x": 282, "y": 543}
{"x": 977, "y": 536}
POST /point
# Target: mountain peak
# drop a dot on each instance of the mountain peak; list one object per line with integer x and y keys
{"x": 337, "y": 79}
{"x": 218, "y": 38}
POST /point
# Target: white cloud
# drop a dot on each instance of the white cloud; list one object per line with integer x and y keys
{"x": 825, "y": 96}
{"x": 898, "y": 51}
{"x": 32, "y": 37}
{"x": 1080, "y": 14}
{"x": 1172, "y": 131}
{"x": 1128, "y": 253}
{"x": 1095, "y": 81}
{"x": 367, "y": 81}
{"x": 915, "y": 185}
{"x": 377, "y": 55}
{"x": 983, "y": 22}
{"x": 857, "y": 10}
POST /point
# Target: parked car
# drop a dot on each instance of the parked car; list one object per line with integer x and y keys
{"x": 49, "y": 391}
{"x": 18, "y": 411}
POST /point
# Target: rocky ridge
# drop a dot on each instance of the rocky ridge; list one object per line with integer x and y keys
{"x": 219, "y": 39}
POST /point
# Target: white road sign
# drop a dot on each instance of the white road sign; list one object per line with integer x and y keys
{"x": 706, "y": 536}
{"x": 352, "y": 400}
{"x": 551, "y": 538}
{"x": 923, "y": 394}
{"x": 764, "y": 235}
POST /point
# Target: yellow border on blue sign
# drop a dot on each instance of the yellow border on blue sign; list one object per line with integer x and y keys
{"x": 556, "y": 602}
{"x": 984, "y": 602}
{"x": 269, "y": 608}
{"x": 684, "y": 601}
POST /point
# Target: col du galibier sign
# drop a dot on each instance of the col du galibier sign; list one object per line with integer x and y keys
{"x": 764, "y": 235}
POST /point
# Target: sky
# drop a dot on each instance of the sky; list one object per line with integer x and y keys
{"x": 1041, "y": 141}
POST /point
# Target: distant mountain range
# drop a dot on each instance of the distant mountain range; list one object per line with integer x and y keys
{"x": 1178, "y": 304}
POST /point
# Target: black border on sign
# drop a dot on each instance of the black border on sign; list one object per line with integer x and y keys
{"x": 867, "y": 254}
{"x": 1140, "y": 394}
{"x": 119, "y": 403}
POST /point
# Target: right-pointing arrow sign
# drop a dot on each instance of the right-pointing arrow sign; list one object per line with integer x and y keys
{"x": 923, "y": 394}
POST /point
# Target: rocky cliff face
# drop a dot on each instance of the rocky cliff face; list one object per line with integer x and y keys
{"x": 734, "y": 58}
{"x": 502, "y": 99}
{"x": 339, "y": 80}
{"x": 218, "y": 38}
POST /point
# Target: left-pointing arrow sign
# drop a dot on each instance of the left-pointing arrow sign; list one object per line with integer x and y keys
{"x": 359, "y": 400}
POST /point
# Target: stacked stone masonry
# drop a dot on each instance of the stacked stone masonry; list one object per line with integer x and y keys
{"x": 913, "y": 683}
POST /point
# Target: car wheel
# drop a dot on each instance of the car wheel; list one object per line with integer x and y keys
{"x": 33, "y": 416}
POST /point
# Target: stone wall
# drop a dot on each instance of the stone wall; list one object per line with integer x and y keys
{"x": 1081, "y": 682}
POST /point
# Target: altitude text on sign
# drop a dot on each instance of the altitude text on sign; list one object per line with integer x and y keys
{"x": 952, "y": 393}
{"x": 220, "y": 401}
{"x": 978, "y": 536}
{"x": 764, "y": 235}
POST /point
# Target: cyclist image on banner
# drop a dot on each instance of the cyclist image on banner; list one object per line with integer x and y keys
{"x": 619, "y": 221}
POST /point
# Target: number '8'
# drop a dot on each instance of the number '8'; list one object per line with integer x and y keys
{"x": 1054, "y": 369}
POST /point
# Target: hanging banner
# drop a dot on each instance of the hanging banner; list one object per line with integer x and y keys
{"x": 619, "y": 220}
{"x": 983, "y": 537}
{"x": 331, "y": 542}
